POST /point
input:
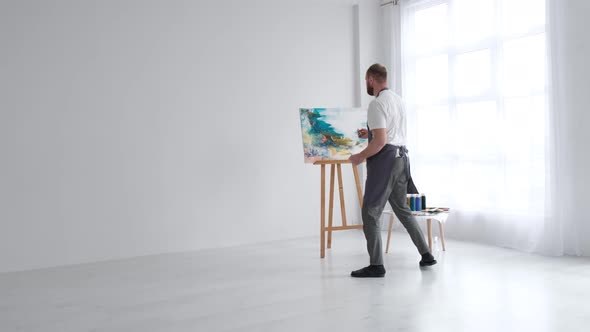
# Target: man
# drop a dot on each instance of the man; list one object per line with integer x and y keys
{"x": 388, "y": 171}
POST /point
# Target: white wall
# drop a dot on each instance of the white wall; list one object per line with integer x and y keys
{"x": 138, "y": 127}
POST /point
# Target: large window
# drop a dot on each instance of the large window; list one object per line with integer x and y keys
{"x": 475, "y": 86}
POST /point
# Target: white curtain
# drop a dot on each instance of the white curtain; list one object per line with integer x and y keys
{"x": 391, "y": 32}
{"x": 474, "y": 78}
{"x": 567, "y": 226}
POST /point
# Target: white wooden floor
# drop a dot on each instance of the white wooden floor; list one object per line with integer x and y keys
{"x": 284, "y": 286}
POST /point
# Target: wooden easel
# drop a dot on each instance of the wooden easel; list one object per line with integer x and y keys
{"x": 335, "y": 164}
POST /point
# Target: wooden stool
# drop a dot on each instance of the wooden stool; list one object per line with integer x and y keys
{"x": 440, "y": 217}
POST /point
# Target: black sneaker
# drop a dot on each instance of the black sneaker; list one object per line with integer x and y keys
{"x": 371, "y": 271}
{"x": 427, "y": 260}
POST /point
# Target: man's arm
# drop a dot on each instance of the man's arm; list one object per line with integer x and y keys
{"x": 377, "y": 143}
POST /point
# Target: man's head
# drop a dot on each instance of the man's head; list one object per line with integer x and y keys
{"x": 376, "y": 78}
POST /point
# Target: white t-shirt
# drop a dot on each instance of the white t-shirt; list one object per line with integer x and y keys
{"x": 387, "y": 111}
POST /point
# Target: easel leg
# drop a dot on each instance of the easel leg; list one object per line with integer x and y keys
{"x": 331, "y": 209}
{"x": 358, "y": 184}
{"x": 323, "y": 212}
{"x": 330, "y": 227}
{"x": 341, "y": 190}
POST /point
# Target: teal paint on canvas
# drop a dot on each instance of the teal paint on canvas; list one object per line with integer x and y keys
{"x": 331, "y": 133}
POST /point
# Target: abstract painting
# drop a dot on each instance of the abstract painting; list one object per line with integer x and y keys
{"x": 331, "y": 133}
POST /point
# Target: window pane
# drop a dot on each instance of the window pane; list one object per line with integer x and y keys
{"x": 431, "y": 28}
{"x": 473, "y": 20}
{"x": 538, "y": 126}
{"x": 435, "y": 180}
{"x": 477, "y": 185}
{"x": 432, "y": 78}
{"x": 433, "y": 130}
{"x": 524, "y": 129}
{"x": 517, "y": 134}
{"x": 521, "y": 15}
{"x": 519, "y": 179}
{"x": 472, "y": 73}
{"x": 477, "y": 129}
{"x": 524, "y": 65}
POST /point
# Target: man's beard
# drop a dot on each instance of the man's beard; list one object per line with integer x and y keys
{"x": 370, "y": 90}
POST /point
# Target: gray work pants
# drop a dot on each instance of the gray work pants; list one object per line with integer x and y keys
{"x": 387, "y": 180}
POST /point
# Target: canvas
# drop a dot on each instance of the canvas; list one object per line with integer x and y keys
{"x": 331, "y": 133}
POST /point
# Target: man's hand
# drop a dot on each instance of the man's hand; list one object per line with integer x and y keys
{"x": 356, "y": 159}
{"x": 363, "y": 133}
{"x": 378, "y": 142}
